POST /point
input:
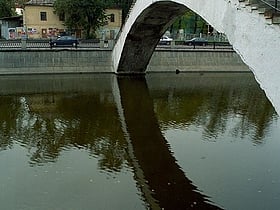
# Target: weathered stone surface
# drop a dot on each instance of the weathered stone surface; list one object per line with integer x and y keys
{"x": 254, "y": 38}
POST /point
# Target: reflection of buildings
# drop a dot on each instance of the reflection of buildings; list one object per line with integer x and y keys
{"x": 45, "y": 105}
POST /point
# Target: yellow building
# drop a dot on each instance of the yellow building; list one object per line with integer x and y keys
{"x": 113, "y": 25}
{"x": 41, "y": 22}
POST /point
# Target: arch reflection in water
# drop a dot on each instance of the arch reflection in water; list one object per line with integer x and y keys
{"x": 168, "y": 183}
{"x": 52, "y": 115}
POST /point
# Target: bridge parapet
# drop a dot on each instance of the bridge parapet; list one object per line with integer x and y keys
{"x": 270, "y": 9}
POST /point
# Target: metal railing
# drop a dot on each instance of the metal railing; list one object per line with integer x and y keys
{"x": 273, "y": 4}
{"x": 180, "y": 45}
{"x": 43, "y": 44}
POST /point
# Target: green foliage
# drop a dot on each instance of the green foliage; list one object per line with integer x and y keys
{"x": 191, "y": 23}
{"x": 7, "y": 8}
{"x": 87, "y": 15}
{"x": 20, "y": 3}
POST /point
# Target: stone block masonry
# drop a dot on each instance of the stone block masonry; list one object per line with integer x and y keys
{"x": 46, "y": 61}
{"x": 196, "y": 60}
{"x": 99, "y": 61}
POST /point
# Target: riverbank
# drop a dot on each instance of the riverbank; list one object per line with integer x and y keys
{"x": 70, "y": 60}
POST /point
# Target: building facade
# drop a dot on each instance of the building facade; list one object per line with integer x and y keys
{"x": 41, "y": 22}
{"x": 11, "y": 27}
{"x": 113, "y": 25}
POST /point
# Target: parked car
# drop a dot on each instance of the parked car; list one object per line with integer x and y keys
{"x": 165, "y": 40}
{"x": 64, "y": 41}
{"x": 196, "y": 41}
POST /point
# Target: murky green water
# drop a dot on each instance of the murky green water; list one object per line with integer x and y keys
{"x": 172, "y": 141}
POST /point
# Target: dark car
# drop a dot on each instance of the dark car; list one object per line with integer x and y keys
{"x": 196, "y": 41}
{"x": 64, "y": 41}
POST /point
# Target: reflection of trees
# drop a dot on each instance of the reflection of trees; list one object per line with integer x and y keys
{"x": 98, "y": 128}
{"x": 48, "y": 124}
{"x": 256, "y": 114}
{"x": 212, "y": 107}
{"x": 9, "y": 107}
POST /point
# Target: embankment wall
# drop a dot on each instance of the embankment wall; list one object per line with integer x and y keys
{"x": 196, "y": 60}
{"x": 99, "y": 61}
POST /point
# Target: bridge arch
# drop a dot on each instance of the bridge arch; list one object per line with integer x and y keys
{"x": 252, "y": 37}
{"x": 145, "y": 33}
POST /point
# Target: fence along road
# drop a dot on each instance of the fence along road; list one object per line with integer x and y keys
{"x": 94, "y": 44}
{"x": 29, "y": 44}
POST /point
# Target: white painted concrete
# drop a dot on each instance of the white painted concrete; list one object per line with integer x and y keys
{"x": 253, "y": 38}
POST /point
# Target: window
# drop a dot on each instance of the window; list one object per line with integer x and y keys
{"x": 61, "y": 17}
{"x": 43, "y": 16}
{"x": 112, "y": 18}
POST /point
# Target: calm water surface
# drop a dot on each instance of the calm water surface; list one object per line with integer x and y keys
{"x": 167, "y": 141}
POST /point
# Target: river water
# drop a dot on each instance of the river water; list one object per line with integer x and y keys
{"x": 166, "y": 141}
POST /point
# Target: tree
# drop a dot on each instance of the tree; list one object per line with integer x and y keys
{"x": 7, "y": 8}
{"x": 20, "y": 3}
{"x": 87, "y": 15}
{"x": 191, "y": 23}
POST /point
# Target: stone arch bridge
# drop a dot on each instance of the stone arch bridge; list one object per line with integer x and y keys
{"x": 249, "y": 29}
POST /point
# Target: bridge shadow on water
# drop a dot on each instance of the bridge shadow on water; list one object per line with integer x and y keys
{"x": 169, "y": 185}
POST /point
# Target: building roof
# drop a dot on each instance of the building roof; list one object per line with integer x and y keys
{"x": 40, "y": 2}
{"x": 16, "y": 17}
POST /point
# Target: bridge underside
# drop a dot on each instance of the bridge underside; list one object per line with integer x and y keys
{"x": 145, "y": 34}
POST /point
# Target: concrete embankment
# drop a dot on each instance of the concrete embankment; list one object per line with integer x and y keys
{"x": 196, "y": 60}
{"x": 49, "y": 61}
{"x": 44, "y": 61}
